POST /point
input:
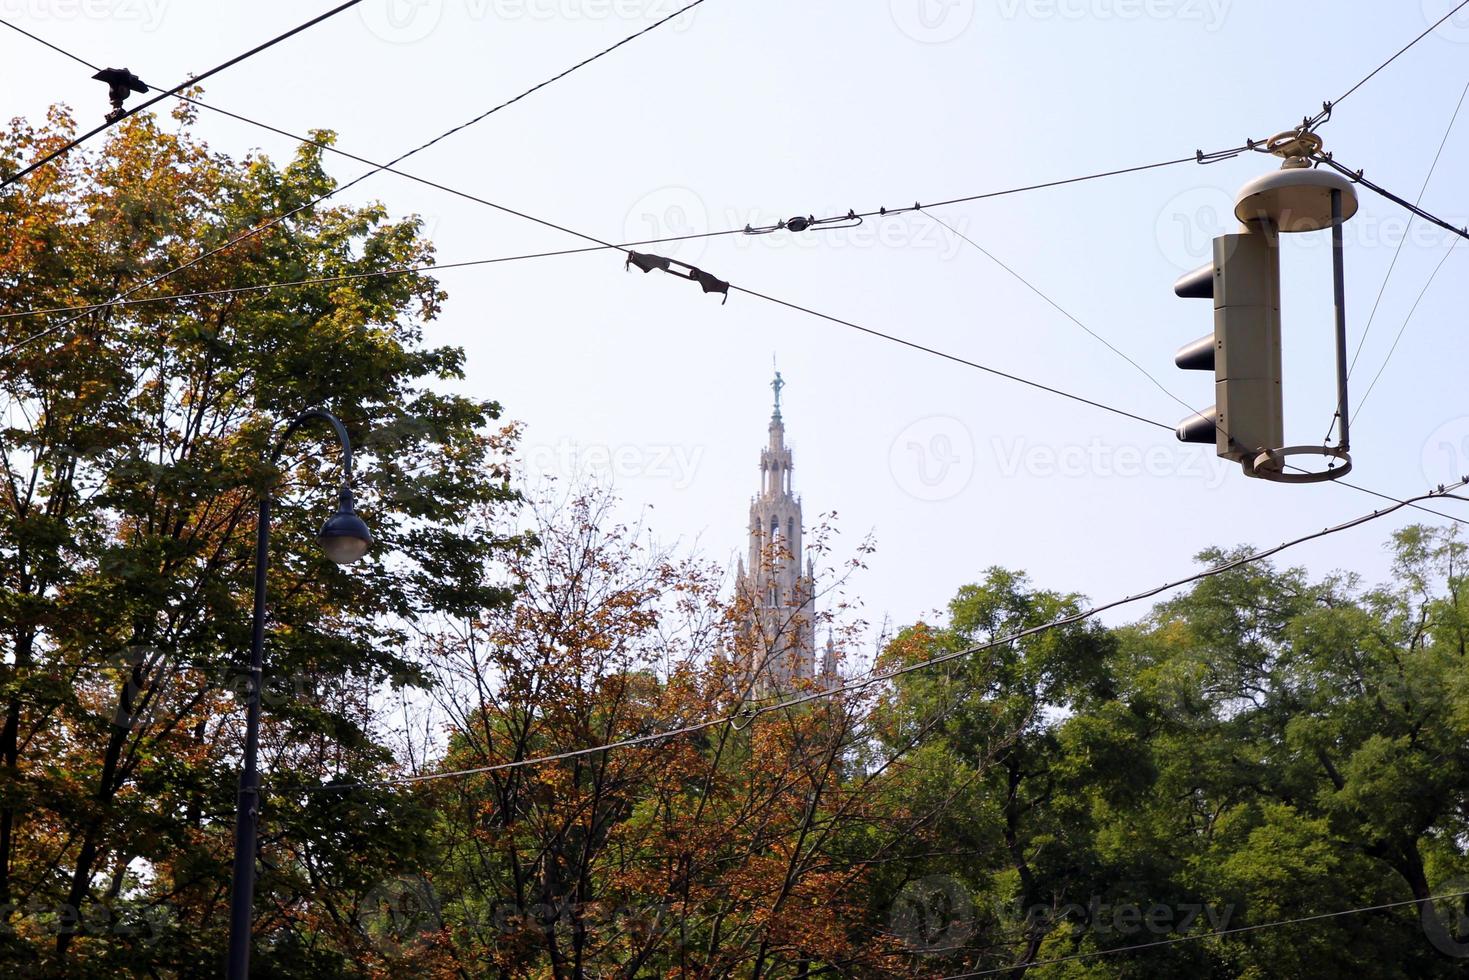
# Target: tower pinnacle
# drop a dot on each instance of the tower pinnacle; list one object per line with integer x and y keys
{"x": 779, "y": 628}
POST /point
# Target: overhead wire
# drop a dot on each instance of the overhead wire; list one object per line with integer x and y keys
{"x": 1325, "y": 112}
{"x": 936, "y": 352}
{"x": 744, "y": 717}
{"x": 1399, "y": 250}
{"x": 1415, "y": 210}
{"x": 378, "y": 168}
{"x": 114, "y": 119}
{"x": 1360, "y": 177}
{"x": 230, "y": 291}
{"x": 933, "y": 661}
{"x": 599, "y": 244}
{"x": 1066, "y": 313}
{"x": 1361, "y": 402}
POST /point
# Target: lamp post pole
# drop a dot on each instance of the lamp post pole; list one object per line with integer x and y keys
{"x": 345, "y": 538}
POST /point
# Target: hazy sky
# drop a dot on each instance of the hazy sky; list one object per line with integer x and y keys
{"x": 749, "y": 111}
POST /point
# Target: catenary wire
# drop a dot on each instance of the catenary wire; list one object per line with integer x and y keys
{"x": 1359, "y": 177}
{"x": 870, "y": 331}
{"x": 606, "y": 245}
{"x": 1199, "y": 157}
{"x": 599, "y": 245}
{"x": 1064, "y": 312}
{"x": 576, "y": 251}
{"x": 114, "y": 120}
{"x": 880, "y": 334}
{"x": 1192, "y": 937}
{"x": 884, "y": 212}
{"x": 745, "y": 717}
{"x": 276, "y": 220}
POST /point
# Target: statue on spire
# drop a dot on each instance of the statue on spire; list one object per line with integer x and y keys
{"x": 777, "y": 384}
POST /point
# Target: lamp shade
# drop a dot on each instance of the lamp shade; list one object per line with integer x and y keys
{"x": 345, "y": 538}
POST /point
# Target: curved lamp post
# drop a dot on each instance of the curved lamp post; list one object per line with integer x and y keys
{"x": 344, "y": 538}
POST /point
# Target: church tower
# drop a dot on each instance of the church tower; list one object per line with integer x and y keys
{"x": 778, "y": 631}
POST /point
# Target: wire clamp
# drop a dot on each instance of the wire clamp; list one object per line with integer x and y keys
{"x": 808, "y": 222}
{"x": 648, "y": 263}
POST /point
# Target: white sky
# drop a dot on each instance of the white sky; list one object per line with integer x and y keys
{"x": 755, "y": 111}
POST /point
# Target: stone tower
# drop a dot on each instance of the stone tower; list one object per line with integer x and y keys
{"x": 778, "y": 634}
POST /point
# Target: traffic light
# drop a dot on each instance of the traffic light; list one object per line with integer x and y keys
{"x": 1246, "y": 418}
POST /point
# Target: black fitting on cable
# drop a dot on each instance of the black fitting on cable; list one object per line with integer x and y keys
{"x": 809, "y": 222}
{"x": 647, "y": 262}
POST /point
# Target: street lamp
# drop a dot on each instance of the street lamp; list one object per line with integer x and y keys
{"x": 344, "y": 538}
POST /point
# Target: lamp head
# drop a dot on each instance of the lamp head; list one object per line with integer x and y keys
{"x": 345, "y": 537}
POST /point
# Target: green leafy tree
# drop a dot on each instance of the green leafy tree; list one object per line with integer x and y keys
{"x": 132, "y": 446}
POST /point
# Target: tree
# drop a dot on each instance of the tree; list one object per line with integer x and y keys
{"x": 1260, "y": 748}
{"x": 714, "y": 852}
{"x": 132, "y": 448}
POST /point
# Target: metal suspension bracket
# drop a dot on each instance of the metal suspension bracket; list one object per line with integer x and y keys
{"x": 1297, "y": 147}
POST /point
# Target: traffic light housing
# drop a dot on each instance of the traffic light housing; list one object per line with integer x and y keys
{"x": 1247, "y": 417}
